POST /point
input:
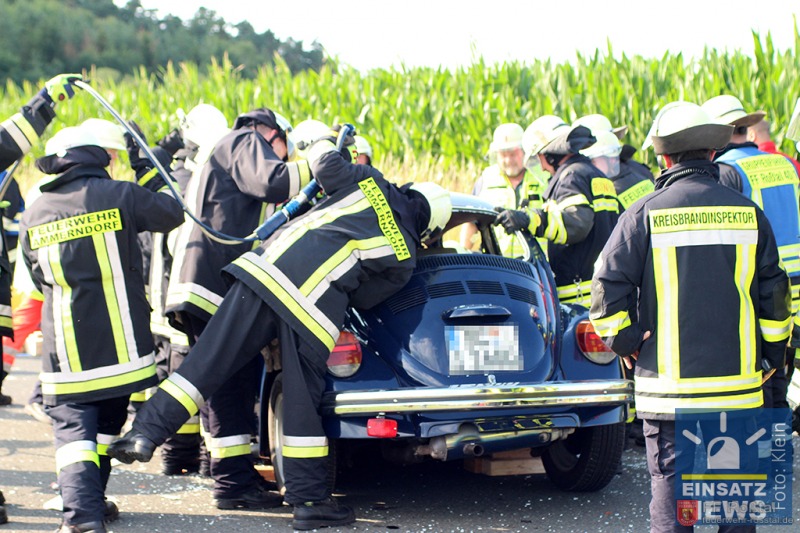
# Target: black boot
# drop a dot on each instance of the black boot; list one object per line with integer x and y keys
{"x": 133, "y": 446}
{"x": 112, "y": 512}
{"x": 5, "y": 400}
{"x": 325, "y": 513}
{"x": 88, "y": 527}
{"x": 253, "y": 498}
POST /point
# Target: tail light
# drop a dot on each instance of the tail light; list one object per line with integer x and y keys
{"x": 383, "y": 428}
{"x": 345, "y": 359}
{"x": 591, "y": 345}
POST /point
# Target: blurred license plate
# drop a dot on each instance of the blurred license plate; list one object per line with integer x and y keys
{"x": 483, "y": 348}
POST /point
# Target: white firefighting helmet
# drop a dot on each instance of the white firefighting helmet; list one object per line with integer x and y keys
{"x": 203, "y": 124}
{"x": 306, "y": 133}
{"x": 597, "y": 122}
{"x": 534, "y": 138}
{"x": 683, "y": 126}
{"x": 363, "y": 147}
{"x": 607, "y": 145}
{"x": 440, "y": 205}
{"x": 68, "y": 138}
{"x": 506, "y": 137}
{"x": 110, "y": 135}
{"x": 727, "y": 109}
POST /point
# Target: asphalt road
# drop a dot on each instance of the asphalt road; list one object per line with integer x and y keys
{"x": 429, "y": 497}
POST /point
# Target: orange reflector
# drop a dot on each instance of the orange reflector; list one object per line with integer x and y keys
{"x": 383, "y": 428}
{"x": 345, "y": 359}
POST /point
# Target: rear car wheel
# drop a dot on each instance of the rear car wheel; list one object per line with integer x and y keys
{"x": 275, "y": 426}
{"x": 587, "y": 460}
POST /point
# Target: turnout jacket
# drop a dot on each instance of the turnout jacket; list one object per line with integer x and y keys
{"x": 631, "y": 184}
{"x": 234, "y": 191}
{"x": 355, "y": 248}
{"x": 80, "y": 243}
{"x": 711, "y": 292}
{"x": 17, "y": 135}
{"x": 581, "y": 210}
{"x": 771, "y": 181}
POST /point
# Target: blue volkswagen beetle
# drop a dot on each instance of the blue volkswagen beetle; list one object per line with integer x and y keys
{"x": 474, "y": 356}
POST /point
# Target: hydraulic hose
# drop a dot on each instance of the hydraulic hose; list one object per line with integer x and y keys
{"x": 259, "y": 234}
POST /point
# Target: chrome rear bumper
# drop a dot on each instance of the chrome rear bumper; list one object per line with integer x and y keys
{"x": 478, "y": 397}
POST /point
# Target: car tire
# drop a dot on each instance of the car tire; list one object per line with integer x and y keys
{"x": 587, "y": 460}
{"x": 275, "y": 432}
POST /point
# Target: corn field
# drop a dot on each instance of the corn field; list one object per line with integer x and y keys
{"x": 435, "y": 124}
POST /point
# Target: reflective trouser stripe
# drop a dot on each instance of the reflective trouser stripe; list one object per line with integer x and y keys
{"x": 103, "y": 440}
{"x": 76, "y": 452}
{"x": 191, "y": 427}
{"x": 184, "y": 392}
{"x": 305, "y": 447}
{"x": 225, "y": 447}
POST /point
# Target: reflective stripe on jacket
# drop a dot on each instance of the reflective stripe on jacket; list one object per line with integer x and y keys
{"x": 233, "y": 192}
{"x": 581, "y": 211}
{"x": 80, "y": 242}
{"x": 710, "y": 290}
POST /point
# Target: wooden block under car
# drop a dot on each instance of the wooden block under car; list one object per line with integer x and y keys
{"x": 510, "y": 463}
{"x": 266, "y": 471}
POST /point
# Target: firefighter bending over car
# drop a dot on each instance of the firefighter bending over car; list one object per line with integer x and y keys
{"x": 354, "y": 248}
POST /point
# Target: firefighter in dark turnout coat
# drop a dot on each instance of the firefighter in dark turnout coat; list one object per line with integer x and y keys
{"x": 580, "y": 210}
{"x": 713, "y": 298}
{"x": 80, "y": 244}
{"x": 17, "y": 135}
{"x": 355, "y": 248}
{"x": 245, "y": 177}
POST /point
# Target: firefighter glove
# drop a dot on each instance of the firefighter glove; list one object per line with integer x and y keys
{"x": 171, "y": 142}
{"x": 512, "y": 220}
{"x": 60, "y": 88}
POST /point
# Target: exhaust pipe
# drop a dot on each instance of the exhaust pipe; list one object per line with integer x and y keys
{"x": 473, "y": 449}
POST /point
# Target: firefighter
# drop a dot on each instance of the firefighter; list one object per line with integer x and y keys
{"x": 771, "y": 181}
{"x": 198, "y": 132}
{"x": 580, "y": 208}
{"x": 712, "y": 296}
{"x": 17, "y": 135}
{"x": 632, "y": 180}
{"x": 639, "y": 172}
{"x": 507, "y": 184}
{"x": 354, "y": 248}
{"x": 240, "y": 184}
{"x": 79, "y": 241}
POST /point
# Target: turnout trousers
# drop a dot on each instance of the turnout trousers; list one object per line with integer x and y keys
{"x": 181, "y": 450}
{"x": 659, "y": 436}
{"x": 228, "y": 416}
{"x": 82, "y": 433}
{"x": 234, "y": 336}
